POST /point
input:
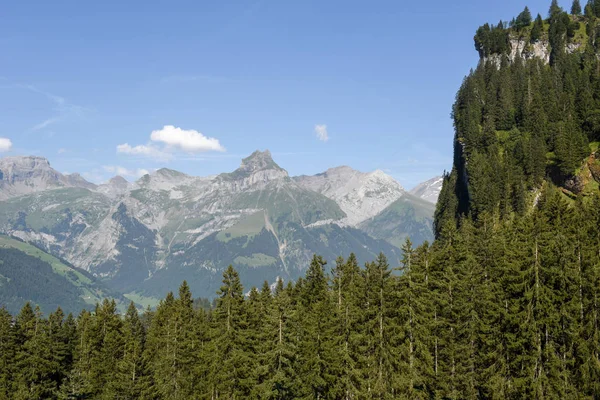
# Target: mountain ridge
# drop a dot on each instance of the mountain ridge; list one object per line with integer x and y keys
{"x": 134, "y": 235}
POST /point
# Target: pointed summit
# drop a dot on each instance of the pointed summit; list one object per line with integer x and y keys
{"x": 257, "y": 169}
{"x": 257, "y": 161}
{"x": 118, "y": 182}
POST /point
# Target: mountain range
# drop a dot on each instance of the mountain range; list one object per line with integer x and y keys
{"x": 143, "y": 238}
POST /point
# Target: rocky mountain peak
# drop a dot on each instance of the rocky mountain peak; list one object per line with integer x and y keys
{"x": 169, "y": 173}
{"x": 256, "y": 171}
{"x": 76, "y": 180}
{"x": 360, "y": 195}
{"x": 118, "y": 181}
{"x": 429, "y": 190}
{"x": 30, "y": 174}
{"x": 24, "y": 163}
{"x": 257, "y": 161}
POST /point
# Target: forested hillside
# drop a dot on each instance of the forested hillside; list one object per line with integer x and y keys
{"x": 505, "y": 304}
{"x": 521, "y": 119}
{"x": 30, "y": 274}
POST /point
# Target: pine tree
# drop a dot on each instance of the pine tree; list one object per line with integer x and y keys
{"x": 554, "y": 9}
{"x": 34, "y": 360}
{"x": 576, "y": 8}
{"x": 8, "y": 350}
{"x": 79, "y": 381}
{"x": 537, "y": 30}
{"x": 413, "y": 316}
{"x": 318, "y": 360}
{"x": 279, "y": 380}
{"x": 381, "y": 330}
{"x": 232, "y": 365}
{"x": 130, "y": 379}
{"x": 348, "y": 288}
{"x": 523, "y": 20}
{"x": 171, "y": 344}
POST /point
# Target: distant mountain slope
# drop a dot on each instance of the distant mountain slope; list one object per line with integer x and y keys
{"x": 143, "y": 238}
{"x": 29, "y": 274}
{"x": 406, "y": 217}
{"x": 429, "y": 190}
{"x": 360, "y": 195}
{"x": 24, "y": 175}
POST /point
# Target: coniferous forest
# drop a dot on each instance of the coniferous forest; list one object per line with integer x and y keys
{"x": 505, "y": 304}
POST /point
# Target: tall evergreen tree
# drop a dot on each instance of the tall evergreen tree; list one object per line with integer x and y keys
{"x": 576, "y": 8}
{"x": 232, "y": 366}
{"x": 523, "y": 20}
{"x": 130, "y": 379}
{"x": 8, "y": 350}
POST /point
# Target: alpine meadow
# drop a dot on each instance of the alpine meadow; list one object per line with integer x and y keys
{"x": 370, "y": 291}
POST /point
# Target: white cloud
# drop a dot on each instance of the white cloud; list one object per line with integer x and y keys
{"x": 321, "y": 131}
{"x": 5, "y": 145}
{"x": 190, "y": 141}
{"x": 125, "y": 172}
{"x": 172, "y": 139}
{"x": 62, "y": 150}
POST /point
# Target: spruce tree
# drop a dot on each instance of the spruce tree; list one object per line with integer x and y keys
{"x": 554, "y": 9}
{"x": 413, "y": 318}
{"x": 232, "y": 366}
{"x": 8, "y": 350}
{"x": 576, "y": 8}
{"x": 523, "y": 20}
{"x": 318, "y": 359}
{"x": 348, "y": 289}
{"x": 130, "y": 378}
{"x": 34, "y": 359}
{"x": 537, "y": 30}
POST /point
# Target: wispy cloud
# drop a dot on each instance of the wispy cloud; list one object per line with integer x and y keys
{"x": 45, "y": 124}
{"x": 62, "y": 150}
{"x": 169, "y": 140}
{"x": 5, "y": 145}
{"x": 321, "y": 131}
{"x": 62, "y": 108}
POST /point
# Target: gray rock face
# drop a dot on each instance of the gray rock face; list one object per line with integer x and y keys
{"x": 255, "y": 172}
{"x": 25, "y": 175}
{"x": 429, "y": 190}
{"x": 360, "y": 195}
{"x": 527, "y": 51}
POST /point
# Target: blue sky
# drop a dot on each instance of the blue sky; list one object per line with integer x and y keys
{"x": 126, "y": 87}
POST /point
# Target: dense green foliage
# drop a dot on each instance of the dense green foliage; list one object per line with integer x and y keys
{"x": 576, "y": 8}
{"x": 521, "y": 121}
{"x": 30, "y": 274}
{"x": 493, "y": 310}
{"x": 23, "y": 277}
